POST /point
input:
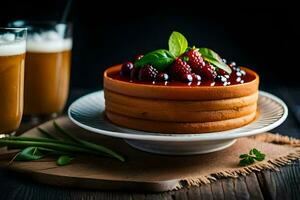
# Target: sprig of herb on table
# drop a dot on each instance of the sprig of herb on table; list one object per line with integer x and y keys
{"x": 254, "y": 155}
{"x": 35, "y": 148}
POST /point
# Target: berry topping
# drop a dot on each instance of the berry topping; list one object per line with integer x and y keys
{"x": 222, "y": 72}
{"x": 179, "y": 69}
{"x": 195, "y": 60}
{"x": 126, "y": 69}
{"x": 187, "y": 78}
{"x": 134, "y": 73}
{"x": 147, "y": 73}
{"x": 183, "y": 64}
{"x": 221, "y": 79}
{"x": 196, "y": 77}
{"x": 208, "y": 72}
{"x": 232, "y": 64}
{"x": 161, "y": 77}
{"x": 138, "y": 57}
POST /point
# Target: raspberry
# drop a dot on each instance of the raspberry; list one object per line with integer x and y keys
{"x": 126, "y": 69}
{"x": 196, "y": 77}
{"x": 148, "y": 73}
{"x": 208, "y": 72}
{"x": 221, "y": 79}
{"x": 161, "y": 77}
{"x": 222, "y": 72}
{"x": 187, "y": 78}
{"x": 195, "y": 60}
{"x": 179, "y": 69}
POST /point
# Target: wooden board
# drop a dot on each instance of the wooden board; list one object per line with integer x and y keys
{"x": 283, "y": 184}
{"x": 141, "y": 172}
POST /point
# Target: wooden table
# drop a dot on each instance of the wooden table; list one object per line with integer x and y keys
{"x": 284, "y": 184}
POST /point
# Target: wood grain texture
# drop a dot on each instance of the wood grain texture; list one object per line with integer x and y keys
{"x": 284, "y": 184}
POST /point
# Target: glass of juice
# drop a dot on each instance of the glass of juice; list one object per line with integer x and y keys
{"x": 47, "y": 73}
{"x": 12, "y": 59}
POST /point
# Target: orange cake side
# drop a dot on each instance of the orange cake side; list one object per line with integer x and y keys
{"x": 180, "y": 109}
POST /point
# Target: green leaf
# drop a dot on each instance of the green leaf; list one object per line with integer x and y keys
{"x": 177, "y": 44}
{"x": 248, "y": 159}
{"x": 243, "y": 155}
{"x": 160, "y": 59}
{"x": 219, "y": 65}
{"x": 255, "y": 152}
{"x": 213, "y": 58}
{"x": 29, "y": 153}
{"x": 260, "y": 158}
{"x": 64, "y": 160}
{"x": 206, "y": 52}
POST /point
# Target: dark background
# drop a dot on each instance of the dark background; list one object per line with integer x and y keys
{"x": 263, "y": 37}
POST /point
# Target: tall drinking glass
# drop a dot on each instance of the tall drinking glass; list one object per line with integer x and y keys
{"x": 12, "y": 59}
{"x": 47, "y": 72}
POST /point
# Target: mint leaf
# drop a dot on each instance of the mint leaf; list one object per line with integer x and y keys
{"x": 258, "y": 155}
{"x": 243, "y": 155}
{"x": 248, "y": 159}
{"x": 210, "y": 54}
{"x": 213, "y": 58}
{"x": 160, "y": 59}
{"x": 177, "y": 44}
{"x": 219, "y": 65}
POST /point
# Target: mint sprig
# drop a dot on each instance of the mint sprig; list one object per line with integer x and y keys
{"x": 254, "y": 155}
{"x": 177, "y": 44}
{"x": 160, "y": 59}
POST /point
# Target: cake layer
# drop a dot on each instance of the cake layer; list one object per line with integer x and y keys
{"x": 180, "y": 105}
{"x": 180, "y": 92}
{"x": 171, "y": 115}
{"x": 178, "y": 127}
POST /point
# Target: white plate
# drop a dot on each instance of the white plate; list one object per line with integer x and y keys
{"x": 87, "y": 112}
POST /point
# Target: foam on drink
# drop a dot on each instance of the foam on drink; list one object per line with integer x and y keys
{"x": 9, "y": 45}
{"x": 48, "y": 42}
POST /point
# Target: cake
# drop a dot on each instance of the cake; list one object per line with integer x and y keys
{"x": 181, "y": 90}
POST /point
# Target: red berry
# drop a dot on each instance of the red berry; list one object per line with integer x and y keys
{"x": 195, "y": 60}
{"x": 138, "y": 57}
{"x": 208, "y": 72}
{"x": 161, "y": 77}
{"x": 179, "y": 69}
{"x": 126, "y": 69}
{"x": 222, "y": 72}
{"x": 148, "y": 73}
{"x": 196, "y": 77}
{"x": 187, "y": 78}
{"x": 221, "y": 79}
{"x": 134, "y": 73}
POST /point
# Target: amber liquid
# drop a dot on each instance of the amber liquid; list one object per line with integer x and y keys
{"x": 47, "y": 78}
{"x": 11, "y": 92}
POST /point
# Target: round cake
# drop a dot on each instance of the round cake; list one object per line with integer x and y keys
{"x": 190, "y": 93}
